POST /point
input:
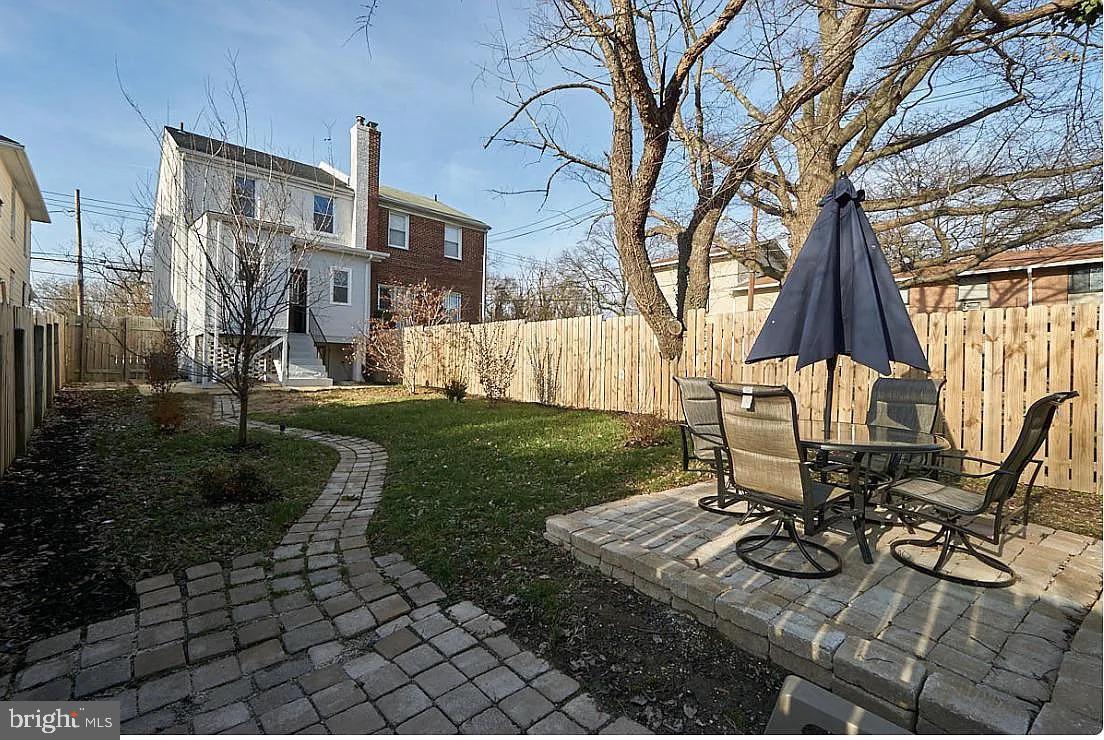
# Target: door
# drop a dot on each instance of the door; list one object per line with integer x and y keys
{"x": 297, "y": 313}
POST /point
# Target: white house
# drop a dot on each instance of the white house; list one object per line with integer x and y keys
{"x": 314, "y": 221}
{"x": 20, "y": 204}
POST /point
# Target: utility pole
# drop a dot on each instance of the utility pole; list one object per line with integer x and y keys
{"x": 80, "y": 259}
{"x": 80, "y": 286}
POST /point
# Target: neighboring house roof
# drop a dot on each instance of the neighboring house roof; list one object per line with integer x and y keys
{"x": 1021, "y": 259}
{"x": 323, "y": 176}
{"x": 668, "y": 260}
{"x": 253, "y": 157}
{"x": 423, "y": 203}
{"x": 14, "y": 156}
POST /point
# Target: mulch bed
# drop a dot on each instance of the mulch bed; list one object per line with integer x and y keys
{"x": 55, "y": 570}
{"x": 656, "y": 665}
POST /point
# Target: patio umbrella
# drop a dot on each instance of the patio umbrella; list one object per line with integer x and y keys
{"x": 840, "y": 298}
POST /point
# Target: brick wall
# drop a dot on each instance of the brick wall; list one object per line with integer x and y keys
{"x": 928, "y": 298}
{"x": 426, "y": 260}
{"x": 1006, "y": 289}
{"x": 1051, "y": 285}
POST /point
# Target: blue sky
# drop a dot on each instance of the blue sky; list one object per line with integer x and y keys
{"x": 419, "y": 78}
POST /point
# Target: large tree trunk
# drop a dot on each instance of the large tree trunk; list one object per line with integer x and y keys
{"x": 817, "y": 168}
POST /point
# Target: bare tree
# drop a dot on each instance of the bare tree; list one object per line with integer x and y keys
{"x": 601, "y": 49}
{"x": 593, "y": 264}
{"x": 541, "y": 292}
{"x": 230, "y": 231}
{"x": 966, "y": 122}
{"x": 406, "y": 337}
{"x": 494, "y": 351}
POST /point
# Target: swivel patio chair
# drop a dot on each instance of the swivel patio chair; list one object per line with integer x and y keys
{"x": 701, "y": 427}
{"x": 896, "y": 403}
{"x": 763, "y": 463}
{"x": 956, "y": 510}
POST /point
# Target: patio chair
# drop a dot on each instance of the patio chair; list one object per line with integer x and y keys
{"x": 764, "y": 465}
{"x": 701, "y": 427}
{"x": 897, "y": 403}
{"x": 956, "y": 510}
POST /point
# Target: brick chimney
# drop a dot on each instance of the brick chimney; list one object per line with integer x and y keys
{"x": 364, "y": 155}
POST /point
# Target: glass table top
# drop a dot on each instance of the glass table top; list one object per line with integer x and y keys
{"x": 843, "y": 435}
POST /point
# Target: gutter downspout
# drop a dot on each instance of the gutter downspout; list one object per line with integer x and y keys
{"x": 1030, "y": 286}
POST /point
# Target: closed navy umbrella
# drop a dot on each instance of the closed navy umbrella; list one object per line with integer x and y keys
{"x": 840, "y": 298}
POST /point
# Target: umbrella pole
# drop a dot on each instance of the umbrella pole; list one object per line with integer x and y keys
{"x": 828, "y": 395}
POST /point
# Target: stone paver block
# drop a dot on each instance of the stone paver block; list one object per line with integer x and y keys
{"x": 282, "y": 671}
{"x": 102, "y": 676}
{"x": 311, "y": 634}
{"x": 153, "y": 584}
{"x": 44, "y": 671}
{"x": 396, "y": 643}
{"x": 216, "y": 673}
{"x": 429, "y": 722}
{"x": 499, "y": 683}
{"x": 403, "y": 703}
{"x": 880, "y": 669}
{"x": 806, "y": 636}
{"x": 207, "y": 622}
{"x": 199, "y": 571}
{"x": 250, "y": 592}
{"x": 161, "y": 596}
{"x": 322, "y": 678}
{"x": 299, "y": 617}
{"x": 463, "y": 702}
{"x": 113, "y": 647}
{"x": 582, "y": 709}
{"x": 432, "y": 625}
{"x": 439, "y": 679}
{"x": 489, "y": 722}
{"x": 262, "y": 655}
{"x": 273, "y": 697}
{"x": 454, "y": 641}
{"x": 354, "y": 622}
{"x": 359, "y": 720}
{"x": 557, "y": 723}
{"x": 956, "y": 704}
{"x": 527, "y": 665}
{"x": 159, "y": 634}
{"x": 1058, "y": 721}
{"x": 289, "y": 718}
{"x": 158, "y": 660}
{"x": 502, "y": 646}
{"x": 363, "y": 664}
{"x": 251, "y": 611}
{"x": 625, "y": 726}
{"x": 337, "y": 698}
{"x": 210, "y": 645}
{"x": 110, "y": 628}
{"x": 475, "y": 661}
{"x": 383, "y": 680}
{"x": 160, "y": 614}
{"x": 221, "y": 719}
{"x": 163, "y": 691}
{"x": 258, "y": 631}
{"x": 53, "y": 645}
{"x": 246, "y": 575}
{"x": 526, "y": 706}
{"x": 555, "y": 685}
{"x": 389, "y": 608}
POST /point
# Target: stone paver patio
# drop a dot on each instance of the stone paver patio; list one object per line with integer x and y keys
{"x": 318, "y": 636}
{"x": 930, "y": 655}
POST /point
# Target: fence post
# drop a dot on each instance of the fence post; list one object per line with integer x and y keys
{"x": 126, "y": 353}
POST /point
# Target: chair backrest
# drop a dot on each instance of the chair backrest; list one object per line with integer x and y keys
{"x": 759, "y": 428}
{"x": 905, "y": 403}
{"x": 699, "y": 404}
{"x": 1033, "y": 433}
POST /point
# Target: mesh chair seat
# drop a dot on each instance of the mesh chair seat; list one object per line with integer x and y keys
{"x": 701, "y": 428}
{"x": 945, "y": 496}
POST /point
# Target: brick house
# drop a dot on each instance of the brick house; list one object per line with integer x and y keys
{"x": 346, "y": 244}
{"x": 1065, "y": 273}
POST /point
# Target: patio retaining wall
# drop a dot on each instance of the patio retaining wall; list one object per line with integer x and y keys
{"x": 931, "y": 656}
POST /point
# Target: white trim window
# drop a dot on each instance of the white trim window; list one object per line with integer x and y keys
{"x": 340, "y": 283}
{"x": 453, "y": 303}
{"x": 398, "y": 230}
{"x": 453, "y": 245}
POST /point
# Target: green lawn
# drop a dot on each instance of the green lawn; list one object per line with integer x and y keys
{"x": 161, "y": 521}
{"x": 471, "y": 484}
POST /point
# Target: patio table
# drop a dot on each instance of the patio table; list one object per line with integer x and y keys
{"x": 860, "y": 441}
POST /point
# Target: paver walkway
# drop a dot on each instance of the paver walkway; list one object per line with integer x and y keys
{"x": 927, "y": 654}
{"x": 318, "y": 636}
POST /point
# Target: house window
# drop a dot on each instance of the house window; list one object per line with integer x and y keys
{"x": 453, "y": 303}
{"x": 1086, "y": 279}
{"x": 905, "y": 295}
{"x": 248, "y": 263}
{"x": 323, "y": 213}
{"x": 973, "y": 293}
{"x": 398, "y": 230}
{"x": 389, "y": 298}
{"x": 339, "y": 287}
{"x": 243, "y": 196}
{"x": 452, "y": 242}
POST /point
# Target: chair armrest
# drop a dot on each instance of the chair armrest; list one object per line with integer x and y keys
{"x": 963, "y": 456}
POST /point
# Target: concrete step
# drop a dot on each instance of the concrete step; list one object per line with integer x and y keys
{"x": 308, "y": 382}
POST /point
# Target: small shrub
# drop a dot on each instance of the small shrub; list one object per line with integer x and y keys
{"x": 167, "y": 413}
{"x": 456, "y": 390}
{"x": 162, "y": 370}
{"x": 241, "y": 482}
{"x": 644, "y": 430}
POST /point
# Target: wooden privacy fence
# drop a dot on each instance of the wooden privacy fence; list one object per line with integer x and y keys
{"x": 111, "y": 349}
{"x": 32, "y": 369}
{"x": 995, "y": 361}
